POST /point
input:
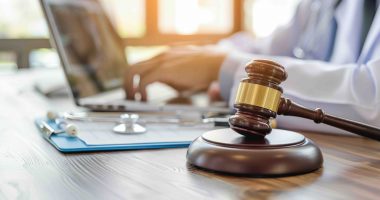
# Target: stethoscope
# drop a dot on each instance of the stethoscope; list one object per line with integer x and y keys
{"x": 127, "y": 123}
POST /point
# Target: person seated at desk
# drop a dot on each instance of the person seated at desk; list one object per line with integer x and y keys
{"x": 331, "y": 51}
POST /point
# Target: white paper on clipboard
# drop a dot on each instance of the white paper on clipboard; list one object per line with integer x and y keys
{"x": 100, "y": 133}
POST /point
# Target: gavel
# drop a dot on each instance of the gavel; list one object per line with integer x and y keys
{"x": 259, "y": 99}
{"x": 250, "y": 146}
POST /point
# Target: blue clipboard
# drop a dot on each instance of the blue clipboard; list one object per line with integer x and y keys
{"x": 67, "y": 144}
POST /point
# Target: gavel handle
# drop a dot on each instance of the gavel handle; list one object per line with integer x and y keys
{"x": 287, "y": 107}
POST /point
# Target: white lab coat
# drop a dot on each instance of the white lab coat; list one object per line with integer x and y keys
{"x": 347, "y": 86}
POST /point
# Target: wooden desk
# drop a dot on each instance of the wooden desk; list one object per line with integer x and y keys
{"x": 30, "y": 168}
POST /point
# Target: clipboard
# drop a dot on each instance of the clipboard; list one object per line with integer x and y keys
{"x": 68, "y": 144}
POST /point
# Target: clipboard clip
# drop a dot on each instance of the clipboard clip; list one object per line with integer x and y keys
{"x": 47, "y": 130}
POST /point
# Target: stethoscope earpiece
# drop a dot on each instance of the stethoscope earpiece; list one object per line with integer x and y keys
{"x": 67, "y": 128}
{"x": 71, "y": 129}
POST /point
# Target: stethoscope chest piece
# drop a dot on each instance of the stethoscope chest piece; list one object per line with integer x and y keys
{"x": 129, "y": 129}
{"x": 129, "y": 125}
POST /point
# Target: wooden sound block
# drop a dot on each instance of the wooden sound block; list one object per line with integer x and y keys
{"x": 280, "y": 153}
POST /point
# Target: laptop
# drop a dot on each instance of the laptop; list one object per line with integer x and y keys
{"x": 93, "y": 58}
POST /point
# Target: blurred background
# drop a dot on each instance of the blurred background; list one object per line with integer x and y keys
{"x": 147, "y": 26}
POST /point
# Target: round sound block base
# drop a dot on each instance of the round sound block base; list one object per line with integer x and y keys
{"x": 280, "y": 153}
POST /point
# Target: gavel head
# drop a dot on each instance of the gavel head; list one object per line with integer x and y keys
{"x": 258, "y": 98}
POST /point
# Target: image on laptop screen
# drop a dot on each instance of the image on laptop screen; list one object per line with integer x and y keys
{"x": 94, "y": 53}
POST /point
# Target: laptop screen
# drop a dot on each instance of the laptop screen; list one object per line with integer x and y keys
{"x": 92, "y": 53}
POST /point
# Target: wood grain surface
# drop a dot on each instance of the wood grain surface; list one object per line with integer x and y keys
{"x": 30, "y": 168}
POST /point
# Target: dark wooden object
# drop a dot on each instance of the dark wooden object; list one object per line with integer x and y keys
{"x": 280, "y": 153}
{"x": 250, "y": 147}
{"x": 287, "y": 107}
{"x": 258, "y": 100}
{"x": 253, "y": 120}
{"x": 30, "y": 168}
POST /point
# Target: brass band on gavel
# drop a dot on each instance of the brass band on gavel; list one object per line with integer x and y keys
{"x": 258, "y": 95}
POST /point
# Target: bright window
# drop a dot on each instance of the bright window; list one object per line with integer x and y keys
{"x": 22, "y": 19}
{"x": 128, "y": 16}
{"x": 262, "y": 17}
{"x": 195, "y": 16}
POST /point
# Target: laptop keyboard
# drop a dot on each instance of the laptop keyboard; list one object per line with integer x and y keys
{"x": 122, "y": 105}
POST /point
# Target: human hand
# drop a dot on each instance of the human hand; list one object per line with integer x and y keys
{"x": 186, "y": 69}
{"x": 214, "y": 93}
